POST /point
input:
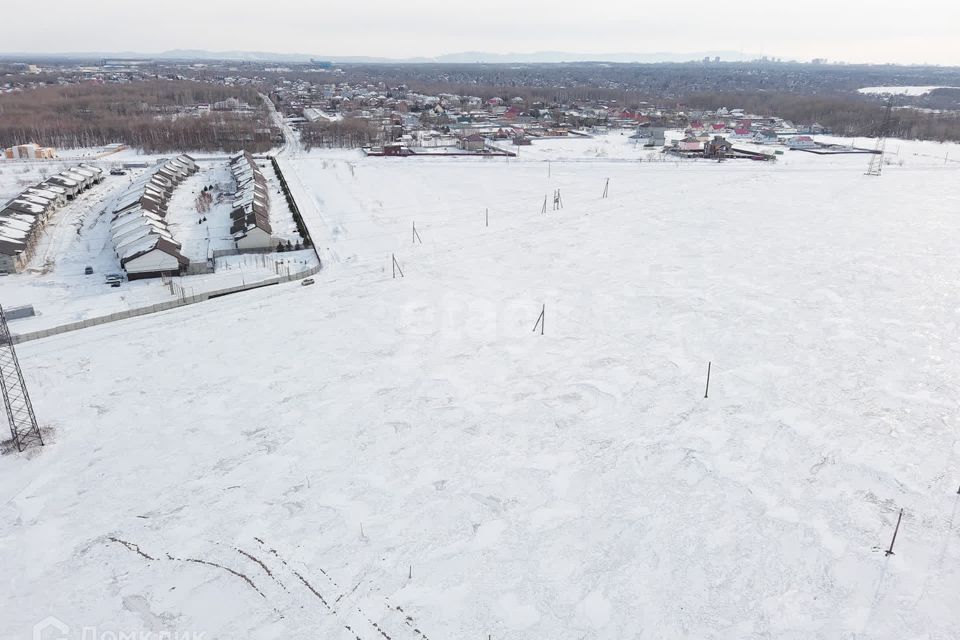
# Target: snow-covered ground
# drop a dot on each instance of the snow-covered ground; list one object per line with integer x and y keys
{"x": 406, "y": 455}
{"x": 15, "y": 176}
{"x": 201, "y": 239}
{"x": 902, "y": 90}
{"x": 281, "y": 218}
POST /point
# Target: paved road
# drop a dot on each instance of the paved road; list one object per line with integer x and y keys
{"x": 310, "y": 209}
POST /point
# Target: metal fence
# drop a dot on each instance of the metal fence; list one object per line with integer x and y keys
{"x": 294, "y": 209}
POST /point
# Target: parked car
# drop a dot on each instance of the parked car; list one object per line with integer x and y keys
{"x": 115, "y": 283}
{"x": 306, "y": 281}
{"x": 117, "y": 171}
{"x": 112, "y": 278}
{"x": 87, "y": 271}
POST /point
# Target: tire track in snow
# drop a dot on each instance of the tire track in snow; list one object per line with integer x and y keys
{"x": 346, "y": 618}
{"x": 405, "y": 625}
{"x": 135, "y": 548}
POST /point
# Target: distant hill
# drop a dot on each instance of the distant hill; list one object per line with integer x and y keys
{"x": 567, "y": 56}
{"x": 539, "y": 57}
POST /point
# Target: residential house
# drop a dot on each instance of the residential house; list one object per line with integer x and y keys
{"x": 718, "y": 148}
{"x": 801, "y": 142}
{"x": 766, "y": 136}
{"x": 473, "y": 142}
{"x": 688, "y": 144}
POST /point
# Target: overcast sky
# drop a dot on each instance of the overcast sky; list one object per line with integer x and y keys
{"x": 850, "y": 30}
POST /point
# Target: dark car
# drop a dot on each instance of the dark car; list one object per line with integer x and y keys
{"x": 87, "y": 271}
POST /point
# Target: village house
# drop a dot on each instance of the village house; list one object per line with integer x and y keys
{"x": 473, "y": 142}
{"x": 718, "y": 148}
{"x": 801, "y": 142}
{"x": 766, "y": 136}
{"x": 688, "y": 144}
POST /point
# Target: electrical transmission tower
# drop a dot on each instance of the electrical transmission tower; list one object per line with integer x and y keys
{"x": 23, "y": 423}
{"x": 876, "y": 160}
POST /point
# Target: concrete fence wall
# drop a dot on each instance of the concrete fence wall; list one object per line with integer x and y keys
{"x": 219, "y": 253}
{"x": 199, "y": 268}
{"x": 155, "y": 308}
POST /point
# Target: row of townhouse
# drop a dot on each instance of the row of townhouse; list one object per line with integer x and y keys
{"x": 251, "y": 205}
{"x": 141, "y": 238}
{"x": 23, "y": 219}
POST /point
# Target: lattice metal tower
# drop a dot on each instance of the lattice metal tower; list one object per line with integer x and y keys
{"x": 876, "y": 160}
{"x": 23, "y": 423}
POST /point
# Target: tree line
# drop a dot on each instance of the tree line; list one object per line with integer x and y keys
{"x": 157, "y": 116}
{"x": 346, "y": 133}
{"x": 846, "y": 115}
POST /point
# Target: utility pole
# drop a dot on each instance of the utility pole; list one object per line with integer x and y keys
{"x": 876, "y": 160}
{"x": 396, "y": 266}
{"x": 541, "y": 320}
{"x": 889, "y": 551}
{"x": 23, "y": 422}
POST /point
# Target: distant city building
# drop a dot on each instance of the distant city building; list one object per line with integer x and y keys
{"x": 230, "y": 104}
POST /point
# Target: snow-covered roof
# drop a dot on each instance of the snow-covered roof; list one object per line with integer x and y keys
{"x": 135, "y": 235}
{"x": 137, "y": 247}
{"x": 62, "y": 180}
{"x": 17, "y": 224}
{"x": 95, "y": 170}
{"x": 76, "y": 177}
{"x": 45, "y": 192}
{"x": 27, "y": 205}
{"x": 251, "y": 202}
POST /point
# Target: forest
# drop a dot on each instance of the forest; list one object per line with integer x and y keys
{"x": 844, "y": 114}
{"x": 349, "y": 132}
{"x": 157, "y": 116}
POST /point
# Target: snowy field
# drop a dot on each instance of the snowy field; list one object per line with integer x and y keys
{"x": 405, "y": 455}
{"x": 902, "y": 90}
{"x": 199, "y": 241}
